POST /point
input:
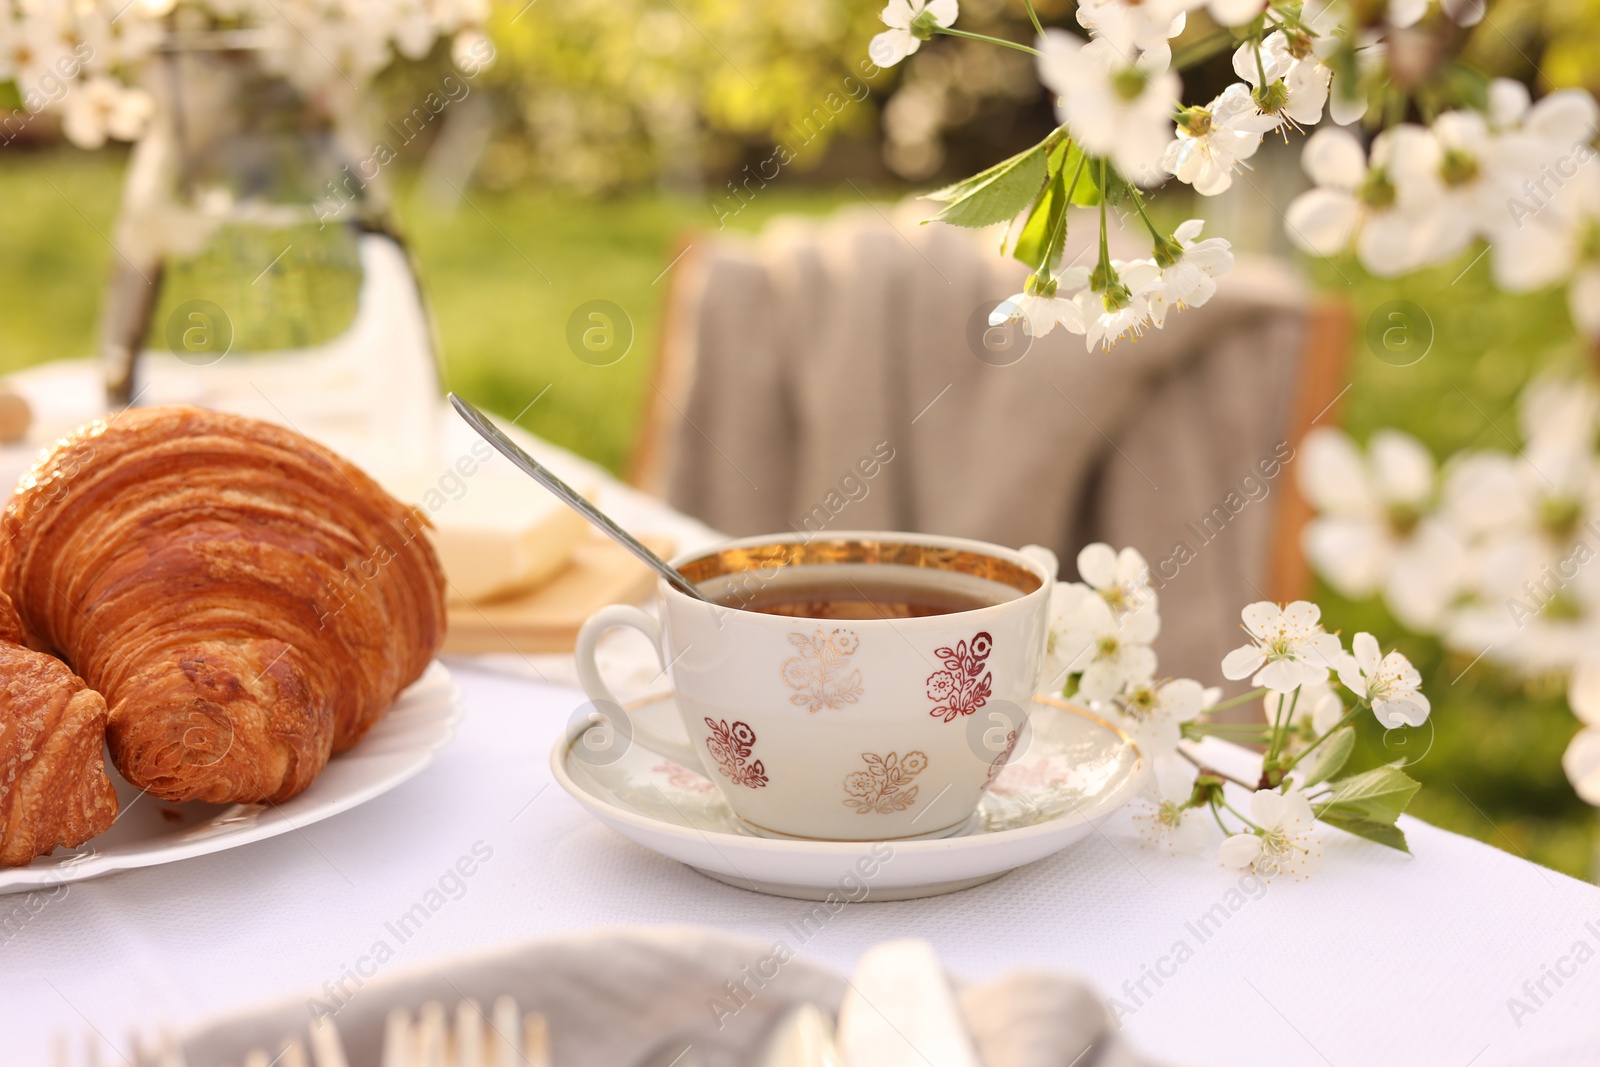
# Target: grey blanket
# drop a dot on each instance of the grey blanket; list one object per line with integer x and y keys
{"x": 799, "y": 362}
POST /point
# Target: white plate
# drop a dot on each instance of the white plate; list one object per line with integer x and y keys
{"x": 1077, "y": 769}
{"x": 150, "y": 831}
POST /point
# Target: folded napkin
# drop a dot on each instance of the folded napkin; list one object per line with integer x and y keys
{"x": 615, "y": 997}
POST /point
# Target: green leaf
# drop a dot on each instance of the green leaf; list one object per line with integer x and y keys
{"x": 1380, "y": 795}
{"x": 1086, "y": 194}
{"x": 1329, "y": 757}
{"x": 1116, "y": 191}
{"x": 1383, "y": 833}
{"x": 1044, "y": 227}
{"x": 995, "y": 195}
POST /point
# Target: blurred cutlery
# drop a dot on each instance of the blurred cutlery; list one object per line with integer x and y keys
{"x": 504, "y": 1038}
{"x": 802, "y": 1038}
{"x": 674, "y": 1052}
{"x": 901, "y": 1012}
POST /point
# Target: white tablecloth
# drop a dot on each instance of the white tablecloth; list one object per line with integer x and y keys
{"x": 1375, "y": 959}
{"x": 1459, "y": 955}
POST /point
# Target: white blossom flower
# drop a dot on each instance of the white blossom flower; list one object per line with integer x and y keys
{"x": 1288, "y": 649}
{"x": 1374, "y": 531}
{"x": 1537, "y": 592}
{"x": 102, "y": 108}
{"x": 1389, "y": 683}
{"x": 1404, "y": 13}
{"x": 1044, "y": 305}
{"x": 1234, "y": 12}
{"x": 1548, "y": 232}
{"x": 1154, "y": 714}
{"x": 1283, "y": 844}
{"x": 1123, "y": 308}
{"x": 1191, "y": 279}
{"x": 1582, "y": 758}
{"x": 413, "y": 27}
{"x": 1058, "y": 658}
{"x": 1467, "y": 169}
{"x": 910, "y": 22}
{"x": 1347, "y": 94}
{"x": 1114, "y": 106}
{"x": 1212, "y": 142}
{"x": 1108, "y": 653}
{"x": 1141, "y": 29}
{"x": 1353, "y": 201}
{"x": 1183, "y": 830}
{"x": 28, "y": 51}
{"x": 1288, "y": 86}
{"x": 1121, "y": 578}
{"x": 117, "y": 39}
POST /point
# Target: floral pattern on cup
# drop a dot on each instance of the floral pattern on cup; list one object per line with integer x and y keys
{"x": 884, "y": 786}
{"x": 963, "y": 686}
{"x": 998, "y": 764}
{"x": 731, "y": 747}
{"x": 817, "y": 675}
{"x": 680, "y": 777}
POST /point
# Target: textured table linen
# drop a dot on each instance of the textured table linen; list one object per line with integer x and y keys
{"x": 1458, "y": 955}
{"x": 1377, "y": 958}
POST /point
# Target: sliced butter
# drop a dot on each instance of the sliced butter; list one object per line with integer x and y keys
{"x": 497, "y": 533}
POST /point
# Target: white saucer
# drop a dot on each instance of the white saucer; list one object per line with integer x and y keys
{"x": 1077, "y": 769}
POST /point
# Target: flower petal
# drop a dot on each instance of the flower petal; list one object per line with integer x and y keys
{"x": 1322, "y": 221}
{"x": 1261, "y": 618}
{"x": 1411, "y": 710}
{"x": 1296, "y": 814}
{"x": 1582, "y": 764}
{"x": 1240, "y": 850}
{"x": 1141, "y": 625}
{"x": 1182, "y": 698}
{"x": 1138, "y": 662}
{"x": 1583, "y": 692}
{"x": 1402, "y": 467}
{"x": 1101, "y": 680}
{"x": 1284, "y": 675}
{"x": 1097, "y": 564}
{"x": 1368, "y": 654}
{"x": 1268, "y": 808}
{"x": 1242, "y": 662}
{"x": 1334, "y": 476}
{"x": 1334, "y": 158}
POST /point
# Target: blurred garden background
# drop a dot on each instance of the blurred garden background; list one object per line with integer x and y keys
{"x": 587, "y": 156}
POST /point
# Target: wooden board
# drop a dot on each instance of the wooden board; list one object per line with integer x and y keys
{"x": 547, "y": 619}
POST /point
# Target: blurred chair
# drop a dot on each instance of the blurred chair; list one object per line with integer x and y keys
{"x": 790, "y": 358}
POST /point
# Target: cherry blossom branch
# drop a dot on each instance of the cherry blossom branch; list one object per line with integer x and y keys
{"x": 1348, "y": 718}
{"x": 1203, "y": 769}
{"x": 951, "y": 31}
{"x": 1033, "y": 16}
{"x": 1233, "y": 702}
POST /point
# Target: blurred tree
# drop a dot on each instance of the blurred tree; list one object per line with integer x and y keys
{"x": 1556, "y": 42}
{"x": 606, "y": 94}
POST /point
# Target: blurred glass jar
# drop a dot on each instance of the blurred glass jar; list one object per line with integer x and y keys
{"x": 257, "y": 271}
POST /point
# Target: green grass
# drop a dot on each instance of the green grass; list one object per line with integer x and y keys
{"x": 506, "y": 272}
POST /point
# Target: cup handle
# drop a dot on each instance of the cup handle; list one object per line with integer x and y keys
{"x": 599, "y": 694}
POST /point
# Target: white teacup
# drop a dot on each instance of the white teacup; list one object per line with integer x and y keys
{"x": 845, "y": 729}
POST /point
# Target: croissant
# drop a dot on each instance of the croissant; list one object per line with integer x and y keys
{"x": 53, "y": 784}
{"x": 248, "y": 602}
